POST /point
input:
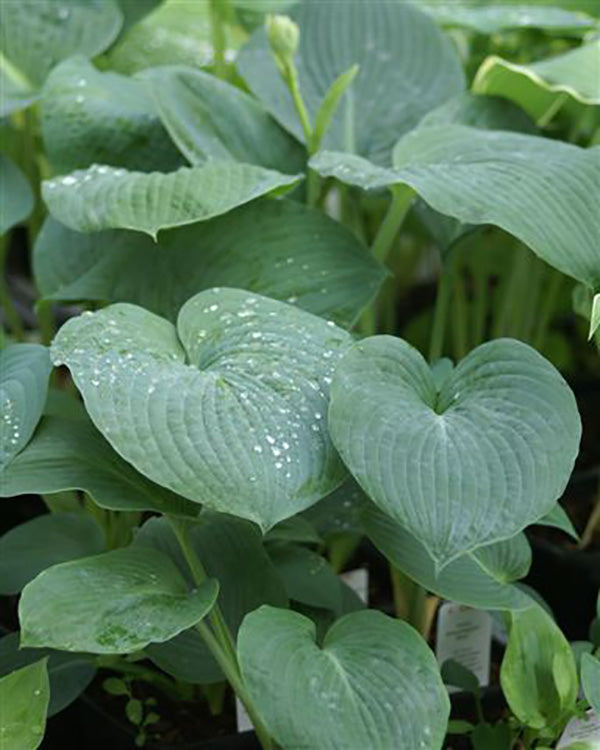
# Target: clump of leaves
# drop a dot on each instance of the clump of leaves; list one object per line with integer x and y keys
{"x": 234, "y": 409}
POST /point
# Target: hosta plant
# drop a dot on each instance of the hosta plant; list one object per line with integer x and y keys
{"x": 214, "y": 391}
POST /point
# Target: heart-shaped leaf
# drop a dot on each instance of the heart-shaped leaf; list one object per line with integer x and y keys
{"x": 396, "y": 47}
{"x": 16, "y": 198}
{"x": 281, "y": 249}
{"x": 231, "y": 551}
{"x": 113, "y": 603}
{"x": 70, "y": 454}
{"x": 231, "y": 414}
{"x": 464, "y": 580}
{"x": 490, "y": 18}
{"x": 211, "y": 119}
{"x": 24, "y": 373}
{"x": 540, "y": 190}
{"x": 590, "y": 680}
{"x": 103, "y": 197}
{"x": 373, "y": 683}
{"x": 31, "y": 547}
{"x": 69, "y": 674}
{"x": 37, "y": 34}
{"x": 24, "y": 696}
{"x": 463, "y": 466}
{"x": 92, "y": 117}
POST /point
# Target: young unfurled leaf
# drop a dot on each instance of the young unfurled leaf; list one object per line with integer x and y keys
{"x": 281, "y": 249}
{"x": 24, "y": 373}
{"x": 373, "y": 683}
{"x": 396, "y": 47}
{"x": 112, "y": 603}
{"x": 30, "y": 548}
{"x": 24, "y": 696}
{"x": 228, "y": 409}
{"x": 103, "y": 197}
{"x": 464, "y": 466}
{"x": 538, "y": 673}
{"x": 70, "y": 454}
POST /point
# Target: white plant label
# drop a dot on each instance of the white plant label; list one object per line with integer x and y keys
{"x": 241, "y": 716}
{"x": 358, "y": 581}
{"x": 584, "y": 732}
{"x": 465, "y": 635}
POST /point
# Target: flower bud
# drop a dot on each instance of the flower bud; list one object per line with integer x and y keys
{"x": 284, "y": 36}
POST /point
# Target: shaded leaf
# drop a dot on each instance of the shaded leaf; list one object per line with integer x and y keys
{"x": 479, "y": 110}
{"x": 24, "y": 373}
{"x": 53, "y": 538}
{"x": 396, "y": 47}
{"x": 69, "y": 674}
{"x": 103, "y": 197}
{"x": 113, "y": 603}
{"x": 210, "y": 119}
{"x": 228, "y": 409}
{"x": 294, "y": 529}
{"x": 68, "y": 454}
{"x": 464, "y": 580}
{"x": 281, "y": 249}
{"x": 231, "y": 552}
{"x": 506, "y": 561}
{"x": 457, "y": 675}
{"x": 16, "y": 197}
{"x": 501, "y": 436}
{"x": 134, "y": 10}
{"x": 92, "y": 117}
{"x": 307, "y": 576}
